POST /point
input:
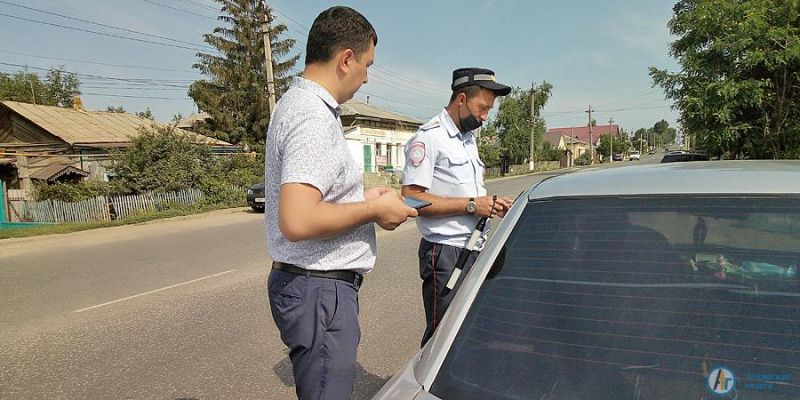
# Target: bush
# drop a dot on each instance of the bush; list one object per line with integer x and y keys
{"x": 160, "y": 159}
{"x": 70, "y": 192}
{"x": 584, "y": 159}
{"x": 219, "y": 193}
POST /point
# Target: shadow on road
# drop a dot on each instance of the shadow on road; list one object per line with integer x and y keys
{"x": 366, "y": 385}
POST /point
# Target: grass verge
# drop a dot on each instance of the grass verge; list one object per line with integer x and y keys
{"x": 134, "y": 218}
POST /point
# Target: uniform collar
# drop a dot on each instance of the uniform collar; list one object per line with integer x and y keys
{"x": 315, "y": 88}
{"x": 448, "y": 123}
{"x": 450, "y": 126}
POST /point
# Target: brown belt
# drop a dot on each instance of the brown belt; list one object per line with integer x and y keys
{"x": 348, "y": 276}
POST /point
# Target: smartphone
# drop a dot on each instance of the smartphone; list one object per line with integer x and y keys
{"x": 416, "y": 203}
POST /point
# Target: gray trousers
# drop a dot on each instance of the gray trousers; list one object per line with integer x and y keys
{"x": 318, "y": 321}
{"x": 436, "y": 265}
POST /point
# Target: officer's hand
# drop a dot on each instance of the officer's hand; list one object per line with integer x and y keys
{"x": 502, "y": 205}
{"x": 392, "y": 211}
{"x": 484, "y": 206}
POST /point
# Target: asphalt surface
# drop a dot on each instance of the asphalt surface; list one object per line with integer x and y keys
{"x": 178, "y": 309}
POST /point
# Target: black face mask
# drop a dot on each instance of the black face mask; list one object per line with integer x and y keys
{"x": 470, "y": 123}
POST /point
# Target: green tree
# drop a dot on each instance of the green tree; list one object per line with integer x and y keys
{"x": 513, "y": 122}
{"x": 147, "y": 114}
{"x": 664, "y": 133}
{"x": 113, "y": 109}
{"x": 550, "y": 152}
{"x": 162, "y": 159}
{"x": 739, "y": 85}
{"x": 488, "y": 148}
{"x": 605, "y": 146}
{"x": 234, "y": 95}
{"x": 58, "y": 88}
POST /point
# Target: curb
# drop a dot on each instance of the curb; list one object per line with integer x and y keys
{"x": 11, "y": 241}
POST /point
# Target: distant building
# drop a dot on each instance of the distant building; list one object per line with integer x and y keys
{"x": 376, "y": 137}
{"x": 65, "y": 144}
{"x": 582, "y": 132}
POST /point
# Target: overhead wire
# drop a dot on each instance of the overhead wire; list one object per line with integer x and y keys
{"x": 101, "y": 33}
{"x": 103, "y": 25}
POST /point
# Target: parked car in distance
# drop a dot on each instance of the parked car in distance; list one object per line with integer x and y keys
{"x": 617, "y": 157}
{"x": 652, "y": 151}
{"x": 255, "y": 197}
{"x": 673, "y": 281}
{"x": 634, "y": 155}
{"x": 681, "y": 156}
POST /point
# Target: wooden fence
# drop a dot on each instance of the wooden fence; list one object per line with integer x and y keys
{"x": 99, "y": 208}
{"x": 95, "y": 209}
{"x": 124, "y": 205}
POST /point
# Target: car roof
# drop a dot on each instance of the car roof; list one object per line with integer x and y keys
{"x": 698, "y": 177}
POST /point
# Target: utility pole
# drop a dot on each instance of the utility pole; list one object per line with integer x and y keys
{"x": 641, "y": 143}
{"x": 591, "y": 136}
{"x": 532, "y": 165}
{"x": 33, "y": 94}
{"x": 611, "y": 134}
{"x": 268, "y": 56}
{"x": 572, "y": 145}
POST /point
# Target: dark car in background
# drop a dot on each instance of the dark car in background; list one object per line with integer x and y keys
{"x": 255, "y": 197}
{"x": 682, "y": 156}
{"x": 664, "y": 281}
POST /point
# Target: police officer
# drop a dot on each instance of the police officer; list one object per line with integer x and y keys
{"x": 443, "y": 167}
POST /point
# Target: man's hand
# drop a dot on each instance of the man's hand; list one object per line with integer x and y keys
{"x": 391, "y": 210}
{"x": 374, "y": 193}
{"x": 488, "y": 206}
{"x": 502, "y": 205}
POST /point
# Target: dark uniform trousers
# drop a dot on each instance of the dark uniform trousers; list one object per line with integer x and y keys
{"x": 436, "y": 265}
{"x": 318, "y": 321}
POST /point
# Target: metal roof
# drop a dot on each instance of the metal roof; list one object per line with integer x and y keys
{"x": 697, "y": 177}
{"x": 358, "y": 109}
{"x": 99, "y": 128}
{"x": 55, "y": 171}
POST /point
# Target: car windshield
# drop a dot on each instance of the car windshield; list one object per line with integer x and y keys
{"x": 637, "y": 298}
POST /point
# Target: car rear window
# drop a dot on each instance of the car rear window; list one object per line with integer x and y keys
{"x": 637, "y": 298}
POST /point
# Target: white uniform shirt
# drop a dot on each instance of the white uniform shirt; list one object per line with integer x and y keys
{"x": 445, "y": 161}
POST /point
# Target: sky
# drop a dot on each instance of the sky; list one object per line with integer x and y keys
{"x": 593, "y": 52}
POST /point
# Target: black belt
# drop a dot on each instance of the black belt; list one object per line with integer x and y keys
{"x": 348, "y": 276}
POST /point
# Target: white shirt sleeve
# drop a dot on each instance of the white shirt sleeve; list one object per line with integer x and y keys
{"x": 420, "y": 160}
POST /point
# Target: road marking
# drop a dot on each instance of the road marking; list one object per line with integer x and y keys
{"x": 152, "y": 291}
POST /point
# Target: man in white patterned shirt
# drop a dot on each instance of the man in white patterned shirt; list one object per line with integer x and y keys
{"x": 319, "y": 218}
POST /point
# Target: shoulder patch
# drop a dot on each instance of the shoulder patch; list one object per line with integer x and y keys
{"x": 417, "y": 153}
{"x": 430, "y": 125}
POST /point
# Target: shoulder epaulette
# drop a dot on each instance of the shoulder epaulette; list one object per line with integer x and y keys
{"x": 430, "y": 125}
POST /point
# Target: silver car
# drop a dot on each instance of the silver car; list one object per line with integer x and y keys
{"x": 666, "y": 281}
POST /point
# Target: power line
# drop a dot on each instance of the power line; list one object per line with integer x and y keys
{"x": 102, "y": 33}
{"x": 200, "y": 5}
{"x": 99, "y": 63}
{"x": 179, "y": 9}
{"x": 133, "y": 80}
{"x": 433, "y": 86}
{"x": 138, "y": 97}
{"x": 630, "y": 98}
{"x": 419, "y": 90}
{"x": 100, "y": 24}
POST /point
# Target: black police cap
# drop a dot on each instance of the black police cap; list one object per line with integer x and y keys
{"x": 482, "y": 77}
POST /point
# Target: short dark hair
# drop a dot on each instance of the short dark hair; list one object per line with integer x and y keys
{"x": 338, "y": 28}
{"x": 471, "y": 91}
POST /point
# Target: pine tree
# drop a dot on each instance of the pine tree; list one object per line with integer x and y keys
{"x": 235, "y": 95}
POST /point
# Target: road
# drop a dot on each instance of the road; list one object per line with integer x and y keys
{"x": 178, "y": 310}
